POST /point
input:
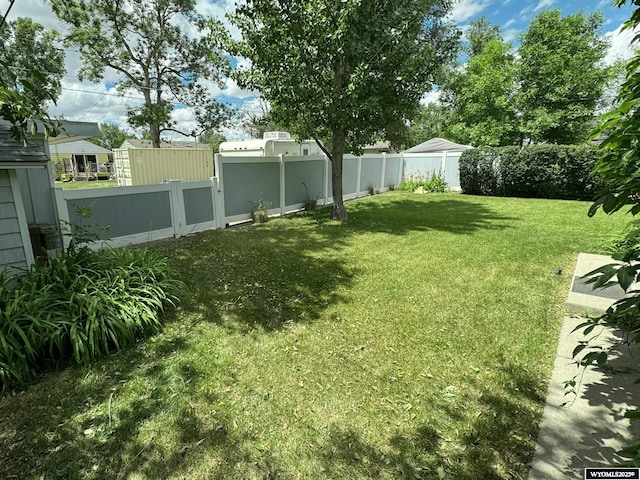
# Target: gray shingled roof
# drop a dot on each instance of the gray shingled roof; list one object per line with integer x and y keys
{"x": 438, "y": 145}
{"x": 16, "y": 152}
{"x": 173, "y": 144}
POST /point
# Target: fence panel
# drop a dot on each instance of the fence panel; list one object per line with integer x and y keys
{"x": 422, "y": 164}
{"x": 244, "y": 181}
{"x": 370, "y": 172}
{"x": 452, "y": 170}
{"x": 300, "y": 172}
{"x": 199, "y": 206}
{"x": 392, "y": 170}
{"x": 349, "y": 176}
{"x": 132, "y": 214}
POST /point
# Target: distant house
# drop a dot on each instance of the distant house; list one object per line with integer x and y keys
{"x": 28, "y": 213}
{"x": 80, "y": 159}
{"x": 378, "y": 147}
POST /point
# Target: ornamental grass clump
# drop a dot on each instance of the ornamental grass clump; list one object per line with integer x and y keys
{"x": 80, "y": 307}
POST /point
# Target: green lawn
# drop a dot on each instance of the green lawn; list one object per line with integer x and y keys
{"x": 86, "y": 184}
{"x": 414, "y": 341}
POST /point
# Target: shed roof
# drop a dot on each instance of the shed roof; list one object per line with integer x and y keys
{"x": 79, "y": 147}
{"x": 17, "y": 153}
{"x": 135, "y": 143}
{"x": 438, "y": 145}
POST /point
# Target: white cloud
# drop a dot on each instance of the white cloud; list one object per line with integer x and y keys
{"x": 510, "y": 34}
{"x": 87, "y": 101}
{"x": 463, "y": 10}
{"x": 543, "y": 4}
{"x": 431, "y": 97}
{"x": 620, "y": 48}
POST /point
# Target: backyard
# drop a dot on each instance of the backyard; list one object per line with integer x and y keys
{"x": 414, "y": 341}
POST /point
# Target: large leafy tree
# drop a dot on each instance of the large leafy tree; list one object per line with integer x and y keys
{"x": 432, "y": 120}
{"x": 478, "y": 34}
{"x": 480, "y": 92}
{"x": 561, "y": 76}
{"x": 480, "y": 95}
{"x": 343, "y": 71}
{"x": 28, "y": 47}
{"x": 147, "y": 42}
{"x": 213, "y": 139}
{"x": 111, "y": 136}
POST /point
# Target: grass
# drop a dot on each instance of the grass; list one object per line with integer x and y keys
{"x": 86, "y": 184}
{"x": 414, "y": 341}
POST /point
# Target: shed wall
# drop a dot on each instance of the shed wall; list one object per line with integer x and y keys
{"x": 148, "y": 166}
{"x": 12, "y": 248}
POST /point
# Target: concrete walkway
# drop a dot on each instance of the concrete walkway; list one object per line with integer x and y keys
{"x": 591, "y": 428}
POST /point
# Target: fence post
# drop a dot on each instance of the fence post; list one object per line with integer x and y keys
{"x": 215, "y": 198}
{"x": 177, "y": 207}
{"x": 384, "y": 168}
{"x": 401, "y": 172}
{"x": 62, "y": 208}
{"x": 282, "y": 183}
{"x": 327, "y": 179}
{"x": 443, "y": 165}
{"x": 358, "y": 174}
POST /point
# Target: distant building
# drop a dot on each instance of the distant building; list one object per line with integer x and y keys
{"x": 382, "y": 146}
{"x": 80, "y": 160}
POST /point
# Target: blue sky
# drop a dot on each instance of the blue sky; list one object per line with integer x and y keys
{"x": 100, "y": 102}
{"x": 514, "y": 16}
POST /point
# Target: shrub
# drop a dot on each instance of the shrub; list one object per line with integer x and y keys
{"x": 478, "y": 175}
{"x": 545, "y": 171}
{"x": 433, "y": 182}
{"x": 80, "y": 307}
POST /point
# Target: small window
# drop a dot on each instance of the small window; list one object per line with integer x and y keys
{"x": 305, "y": 151}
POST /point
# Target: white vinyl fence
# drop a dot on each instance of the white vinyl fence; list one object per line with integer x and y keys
{"x": 141, "y": 214}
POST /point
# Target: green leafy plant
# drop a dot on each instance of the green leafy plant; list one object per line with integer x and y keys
{"x": 617, "y": 170}
{"x": 82, "y": 233}
{"x": 260, "y": 210}
{"x": 433, "y": 182}
{"x": 311, "y": 202}
{"x": 79, "y": 307}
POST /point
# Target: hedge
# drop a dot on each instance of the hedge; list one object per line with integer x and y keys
{"x": 539, "y": 171}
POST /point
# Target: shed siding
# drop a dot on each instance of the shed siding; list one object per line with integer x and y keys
{"x": 12, "y": 250}
{"x": 148, "y": 166}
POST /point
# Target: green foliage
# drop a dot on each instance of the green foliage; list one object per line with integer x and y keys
{"x": 432, "y": 120}
{"x": 213, "y": 139}
{"x": 560, "y": 76}
{"x": 343, "y": 72}
{"x": 479, "y": 94}
{"x": 619, "y": 171}
{"x": 22, "y": 109}
{"x": 146, "y": 44}
{"x": 432, "y": 182}
{"x": 30, "y": 54}
{"x": 544, "y": 171}
{"x": 81, "y": 306}
{"x": 478, "y": 171}
{"x": 481, "y": 97}
{"x": 111, "y": 136}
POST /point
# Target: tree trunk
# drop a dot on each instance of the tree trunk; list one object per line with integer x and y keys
{"x": 337, "y": 153}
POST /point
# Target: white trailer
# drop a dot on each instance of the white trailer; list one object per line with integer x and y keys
{"x": 271, "y": 144}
